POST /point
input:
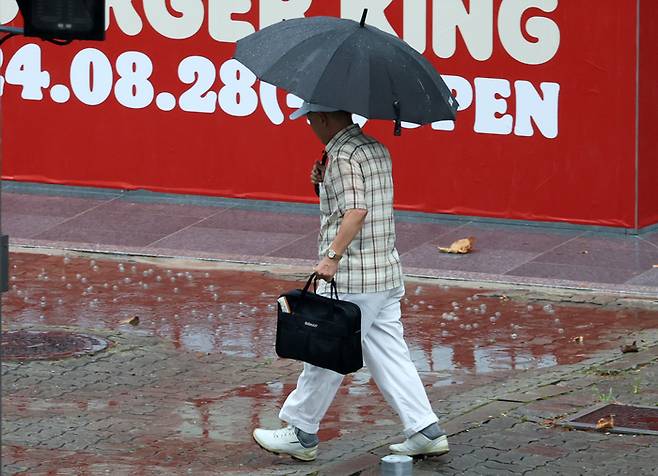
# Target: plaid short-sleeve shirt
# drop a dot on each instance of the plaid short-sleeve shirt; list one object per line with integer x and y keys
{"x": 359, "y": 175}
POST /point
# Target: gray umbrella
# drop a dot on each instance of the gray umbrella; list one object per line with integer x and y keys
{"x": 350, "y": 66}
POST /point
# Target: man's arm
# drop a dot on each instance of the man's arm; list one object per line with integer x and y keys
{"x": 350, "y": 227}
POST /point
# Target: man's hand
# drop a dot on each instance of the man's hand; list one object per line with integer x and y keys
{"x": 326, "y": 269}
{"x": 317, "y": 173}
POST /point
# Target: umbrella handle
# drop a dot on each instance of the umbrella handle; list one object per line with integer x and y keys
{"x": 398, "y": 123}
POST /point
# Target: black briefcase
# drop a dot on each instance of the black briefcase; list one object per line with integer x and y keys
{"x": 322, "y": 331}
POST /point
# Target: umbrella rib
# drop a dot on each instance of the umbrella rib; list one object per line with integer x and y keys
{"x": 401, "y": 47}
{"x": 291, "y": 52}
{"x": 371, "y": 106}
{"x": 332, "y": 58}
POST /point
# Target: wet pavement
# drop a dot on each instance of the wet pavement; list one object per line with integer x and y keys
{"x": 233, "y": 313}
{"x": 251, "y": 231}
{"x": 181, "y": 387}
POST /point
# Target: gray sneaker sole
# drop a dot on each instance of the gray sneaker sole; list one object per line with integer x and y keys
{"x": 299, "y": 457}
{"x": 422, "y": 453}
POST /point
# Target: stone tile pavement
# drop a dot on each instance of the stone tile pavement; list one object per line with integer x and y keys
{"x": 180, "y": 394}
{"x": 112, "y": 414}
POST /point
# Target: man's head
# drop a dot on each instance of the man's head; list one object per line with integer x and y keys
{"x": 325, "y": 121}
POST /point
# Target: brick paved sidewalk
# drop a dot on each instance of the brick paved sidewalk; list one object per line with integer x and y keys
{"x": 519, "y": 433}
{"x": 57, "y": 416}
{"x": 180, "y": 394}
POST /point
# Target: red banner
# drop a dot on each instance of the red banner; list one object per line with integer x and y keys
{"x": 648, "y": 117}
{"x": 547, "y": 87}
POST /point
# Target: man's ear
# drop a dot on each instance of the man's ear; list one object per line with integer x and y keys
{"x": 324, "y": 118}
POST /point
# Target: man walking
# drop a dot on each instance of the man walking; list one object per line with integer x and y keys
{"x": 357, "y": 248}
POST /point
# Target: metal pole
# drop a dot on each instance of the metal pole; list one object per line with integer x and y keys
{"x": 4, "y": 239}
{"x": 4, "y": 263}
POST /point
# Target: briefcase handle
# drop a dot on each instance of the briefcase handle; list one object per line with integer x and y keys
{"x": 314, "y": 279}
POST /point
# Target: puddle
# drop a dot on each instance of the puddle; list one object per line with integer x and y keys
{"x": 233, "y": 313}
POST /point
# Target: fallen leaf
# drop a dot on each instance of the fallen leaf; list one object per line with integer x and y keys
{"x": 549, "y": 422}
{"x": 605, "y": 423}
{"x": 465, "y": 245}
{"x": 578, "y": 340}
{"x": 133, "y": 321}
{"x": 629, "y": 347}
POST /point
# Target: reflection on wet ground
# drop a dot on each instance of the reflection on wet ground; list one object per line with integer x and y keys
{"x": 233, "y": 313}
{"x": 458, "y": 338}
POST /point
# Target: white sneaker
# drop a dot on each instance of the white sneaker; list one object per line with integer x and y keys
{"x": 419, "y": 444}
{"x": 284, "y": 441}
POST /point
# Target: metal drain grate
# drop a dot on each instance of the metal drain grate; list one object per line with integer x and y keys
{"x": 630, "y": 419}
{"x": 42, "y": 345}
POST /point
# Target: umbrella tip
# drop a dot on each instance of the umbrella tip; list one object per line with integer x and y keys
{"x": 363, "y": 17}
{"x": 397, "y": 128}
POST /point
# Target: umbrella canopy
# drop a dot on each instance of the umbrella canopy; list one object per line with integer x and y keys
{"x": 350, "y": 66}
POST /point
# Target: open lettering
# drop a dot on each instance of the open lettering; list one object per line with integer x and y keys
{"x": 491, "y": 98}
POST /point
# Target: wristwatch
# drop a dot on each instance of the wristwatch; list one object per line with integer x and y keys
{"x": 331, "y": 254}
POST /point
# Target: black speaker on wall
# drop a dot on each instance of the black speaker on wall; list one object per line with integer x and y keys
{"x": 64, "y": 19}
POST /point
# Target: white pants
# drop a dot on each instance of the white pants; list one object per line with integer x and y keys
{"x": 387, "y": 357}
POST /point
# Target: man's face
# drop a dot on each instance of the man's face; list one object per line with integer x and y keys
{"x": 318, "y": 123}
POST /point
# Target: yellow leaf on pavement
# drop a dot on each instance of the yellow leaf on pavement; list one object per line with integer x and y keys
{"x": 605, "y": 423}
{"x": 465, "y": 245}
